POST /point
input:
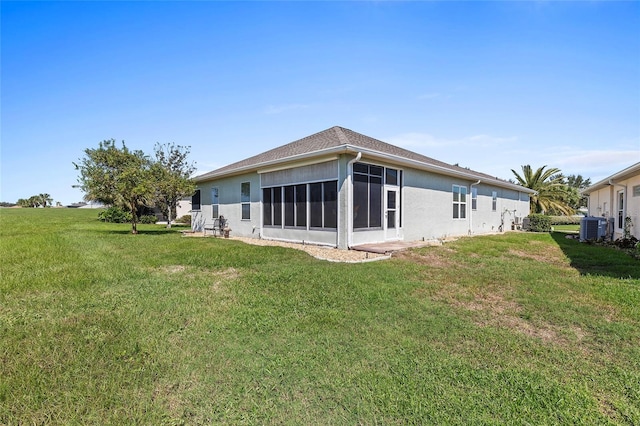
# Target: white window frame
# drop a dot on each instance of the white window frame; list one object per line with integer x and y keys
{"x": 474, "y": 198}
{"x": 459, "y": 202}
{"x": 245, "y": 201}
{"x": 215, "y": 202}
{"x": 620, "y": 201}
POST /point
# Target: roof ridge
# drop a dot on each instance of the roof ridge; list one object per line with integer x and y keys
{"x": 344, "y": 140}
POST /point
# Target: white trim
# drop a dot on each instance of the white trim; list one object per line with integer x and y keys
{"x": 298, "y": 164}
{"x": 312, "y": 157}
{"x": 621, "y": 175}
{"x": 350, "y": 198}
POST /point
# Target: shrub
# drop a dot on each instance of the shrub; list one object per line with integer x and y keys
{"x": 115, "y": 215}
{"x": 186, "y": 219}
{"x": 565, "y": 220}
{"x": 626, "y": 243}
{"x": 148, "y": 218}
{"x": 539, "y": 223}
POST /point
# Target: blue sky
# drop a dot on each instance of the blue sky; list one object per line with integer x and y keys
{"x": 488, "y": 85}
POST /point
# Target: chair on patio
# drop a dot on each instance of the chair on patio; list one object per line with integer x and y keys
{"x": 220, "y": 227}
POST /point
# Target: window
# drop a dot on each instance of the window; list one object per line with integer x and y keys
{"x": 295, "y": 205}
{"x": 277, "y": 206}
{"x": 474, "y": 198}
{"x": 621, "y": 209}
{"x": 289, "y": 208}
{"x": 215, "y": 213}
{"x": 315, "y": 205}
{"x": 330, "y": 204}
{"x": 636, "y": 191}
{"x": 459, "y": 202}
{"x": 293, "y": 202}
{"x": 245, "y": 200}
{"x": 267, "y": 206}
{"x": 323, "y": 205}
{"x": 301, "y": 205}
{"x": 391, "y": 177}
{"x": 195, "y": 200}
{"x": 367, "y": 196}
{"x": 494, "y": 201}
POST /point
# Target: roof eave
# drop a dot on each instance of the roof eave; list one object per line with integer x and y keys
{"x": 348, "y": 148}
{"x": 268, "y": 164}
{"x": 420, "y": 165}
{"x": 623, "y": 174}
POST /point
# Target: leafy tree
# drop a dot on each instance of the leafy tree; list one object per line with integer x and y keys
{"x": 117, "y": 177}
{"x": 23, "y": 202}
{"x": 552, "y": 194}
{"x": 172, "y": 173}
{"x": 579, "y": 183}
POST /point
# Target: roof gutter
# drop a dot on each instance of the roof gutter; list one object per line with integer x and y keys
{"x": 623, "y": 174}
{"x": 344, "y": 149}
{"x": 471, "y": 212}
{"x": 350, "y": 199}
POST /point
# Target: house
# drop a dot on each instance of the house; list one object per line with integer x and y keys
{"x": 182, "y": 208}
{"x": 617, "y": 197}
{"x": 341, "y": 188}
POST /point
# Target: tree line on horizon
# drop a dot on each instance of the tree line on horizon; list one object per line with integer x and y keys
{"x": 40, "y": 200}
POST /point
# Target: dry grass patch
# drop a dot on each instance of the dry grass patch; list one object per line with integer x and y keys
{"x": 552, "y": 255}
{"x": 434, "y": 258}
{"x": 191, "y": 273}
{"x": 495, "y": 310}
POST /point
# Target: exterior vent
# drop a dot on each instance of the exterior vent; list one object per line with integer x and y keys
{"x": 593, "y": 228}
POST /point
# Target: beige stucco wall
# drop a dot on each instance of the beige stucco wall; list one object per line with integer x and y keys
{"x": 604, "y": 203}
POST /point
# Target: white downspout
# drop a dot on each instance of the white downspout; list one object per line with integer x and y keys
{"x": 350, "y": 199}
{"x": 471, "y": 210}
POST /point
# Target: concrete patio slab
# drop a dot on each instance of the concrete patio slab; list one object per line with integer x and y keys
{"x": 393, "y": 246}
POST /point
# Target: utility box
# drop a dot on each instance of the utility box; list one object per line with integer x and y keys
{"x": 593, "y": 228}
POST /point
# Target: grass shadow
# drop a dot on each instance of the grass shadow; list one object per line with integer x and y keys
{"x": 597, "y": 260}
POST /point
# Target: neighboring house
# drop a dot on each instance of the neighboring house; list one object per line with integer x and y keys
{"x": 617, "y": 197}
{"x": 183, "y": 208}
{"x": 341, "y": 188}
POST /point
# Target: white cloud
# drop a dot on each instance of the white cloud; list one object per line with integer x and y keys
{"x": 594, "y": 164}
{"x": 425, "y": 140}
{"x": 278, "y": 109}
{"x": 598, "y": 158}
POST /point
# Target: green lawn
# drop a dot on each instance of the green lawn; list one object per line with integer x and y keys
{"x": 98, "y": 326}
{"x": 567, "y": 228}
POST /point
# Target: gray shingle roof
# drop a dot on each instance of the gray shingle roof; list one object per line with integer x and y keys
{"x": 332, "y": 140}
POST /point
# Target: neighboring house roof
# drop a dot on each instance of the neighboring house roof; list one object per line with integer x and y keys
{"x": 338, "y": 140}
{"x": 633, "y": 170}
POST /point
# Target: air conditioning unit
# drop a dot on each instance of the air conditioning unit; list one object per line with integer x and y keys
{"x": 593, "y": 228}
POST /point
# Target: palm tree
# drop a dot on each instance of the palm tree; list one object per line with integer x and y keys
{"x": 34, "y": 201}
{"x": 45, "y": 199}
{"x": 551, "y": 191}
